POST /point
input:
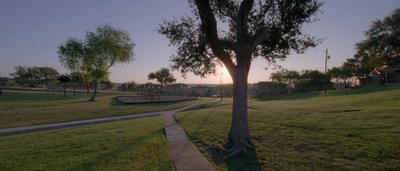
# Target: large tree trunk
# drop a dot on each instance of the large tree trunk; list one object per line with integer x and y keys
{"x": 239, "y": 138}
{"x": 96, "y": 84}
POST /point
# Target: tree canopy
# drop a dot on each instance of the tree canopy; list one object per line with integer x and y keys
{"x": 34, "y": 74}
{"x": 343, "y": 75}
{"x": 311, "y": 80}
{"x": 381, "y": 46}
{"x": 97, "y": 53}
{"x": 64, "y": 79}
{"x": 270, "y": 29}
{"x": 130, "y": 85}
{"x": 163, "y": 76}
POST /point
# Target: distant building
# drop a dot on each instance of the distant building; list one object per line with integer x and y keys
{"x": 117, "y": 87}
{"x": 385, "y": 76}
{"x": 207, "y": 91}
{"x": 266, "y": 89}
{"x": 120, "y": 88}
{"x": 199, "y": 90}
{"x": 176, "y": 90}
{"x": 156, "y": 88}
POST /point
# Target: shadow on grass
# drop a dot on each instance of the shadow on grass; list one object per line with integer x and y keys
{"x": 345, "y": 92}
{"x": 16, "y": 96}
{"x": 242, "y": 161}
{"x": 115, "y": 102}
{"x": 295, "y": 96}
{"x": 208, "y": 105}
{"x": 363, "y": 90}
{"x": 199, "y": 107}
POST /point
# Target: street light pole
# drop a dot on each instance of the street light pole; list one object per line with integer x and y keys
{"x": 221, "y": 78}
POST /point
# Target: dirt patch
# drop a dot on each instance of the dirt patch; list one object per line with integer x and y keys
{"x": 352, "y": 110}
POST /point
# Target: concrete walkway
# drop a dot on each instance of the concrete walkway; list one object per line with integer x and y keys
{"x": 60, "y": 125}
{"x": 184, "y": 154}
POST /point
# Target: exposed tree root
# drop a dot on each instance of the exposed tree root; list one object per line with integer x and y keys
{"x": 232, "y": 148}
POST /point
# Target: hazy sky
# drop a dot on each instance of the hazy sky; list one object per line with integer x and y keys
{"x": 30, "y": 32}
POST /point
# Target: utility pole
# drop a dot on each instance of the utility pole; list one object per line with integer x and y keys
{"x": 326, "y": 61}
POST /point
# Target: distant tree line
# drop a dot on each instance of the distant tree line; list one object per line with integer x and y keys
{"x": 43, "y": 75}
{"x": 380, "y": 49}
{"x": 302, "y": 81}
{"x": 129, "y": 86}
{"x": 34, "y": 75}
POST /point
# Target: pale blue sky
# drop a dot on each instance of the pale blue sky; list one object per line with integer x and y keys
{"x": 30, "y": 32}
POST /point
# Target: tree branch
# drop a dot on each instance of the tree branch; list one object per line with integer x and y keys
{"x": 260, "y": 36}
{"x": 209, "y": 28}
{"x": 242, "y": 22}
{"x": 225, "y": 44}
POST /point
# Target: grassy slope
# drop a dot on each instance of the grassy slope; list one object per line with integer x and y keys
{"x": 23, "y": 108}
{"x": 127, "y": 145}
{"x": 308, "y": 131}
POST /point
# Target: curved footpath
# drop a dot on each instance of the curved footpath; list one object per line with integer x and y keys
{"x": 184, "y": 153}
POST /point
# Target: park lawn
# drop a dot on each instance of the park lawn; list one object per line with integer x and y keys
{"x": 307, "y": 131}
{"x": 138, "y": 144}
{"x": 26, "y": 108}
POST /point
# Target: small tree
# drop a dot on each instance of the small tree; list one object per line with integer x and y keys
{"x": 48, "y": 74}
{"x": 21, "y": 74}
{"x": 131, "y": 85}
{"x": 343, "y": 75}
{"x": 163, "y": 76}
{"x": 360, "y": 67}
{"x": 313, "y": 78}
{"x": 64, "y": 79}
{"x": 100, "y": 50}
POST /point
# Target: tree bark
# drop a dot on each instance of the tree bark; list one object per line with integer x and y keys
{"x": 96, "y": 84}
{"x": 239, "y": 138}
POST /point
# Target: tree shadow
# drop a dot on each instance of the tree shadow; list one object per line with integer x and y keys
{"x": 241, "y": 161}
{"x": 295, "y": 96}
{"x": 330, "y": 93}
{"x": 362, "y": 90}
{"x": 115, "y": 102}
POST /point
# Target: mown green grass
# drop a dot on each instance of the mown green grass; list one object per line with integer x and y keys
{"x": 309, "y": 131}
{"x": 24, "y": 108}
{"x": 127, "y": 145}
